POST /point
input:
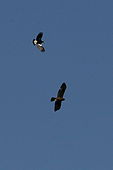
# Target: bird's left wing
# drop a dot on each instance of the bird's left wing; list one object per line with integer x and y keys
{"x": 40, "y": 47}
{"x": 61, "y": 90}
{"x": 57, "y": 105}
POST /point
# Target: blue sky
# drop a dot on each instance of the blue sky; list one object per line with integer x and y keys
{"x": 78, "y": 40}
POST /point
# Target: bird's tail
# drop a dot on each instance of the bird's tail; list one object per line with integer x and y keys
{"x": 53, "y": 99}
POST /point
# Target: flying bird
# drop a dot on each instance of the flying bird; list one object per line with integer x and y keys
{"x": 38, "y": 42}
{"x": 58, "y": 100}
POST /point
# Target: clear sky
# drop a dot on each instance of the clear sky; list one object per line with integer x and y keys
{"x": 78, "y": 38}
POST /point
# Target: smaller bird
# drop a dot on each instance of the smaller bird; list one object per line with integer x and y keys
{"x": 38, "y": 42}
{"x": 58, "y": 100}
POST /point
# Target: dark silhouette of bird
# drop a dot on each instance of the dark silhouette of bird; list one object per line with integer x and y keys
{"x": 58, "y": 100}
{"x": 38, "y": 42}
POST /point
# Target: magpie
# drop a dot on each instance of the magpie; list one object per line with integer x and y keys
{"x": 38, "y": 42}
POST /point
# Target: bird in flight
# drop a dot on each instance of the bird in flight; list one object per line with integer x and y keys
{"x": 38, "y": 42}
{"x": 58, "y": 100}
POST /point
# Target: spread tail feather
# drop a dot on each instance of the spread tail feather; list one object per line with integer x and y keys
{"x": 53, "y": 99}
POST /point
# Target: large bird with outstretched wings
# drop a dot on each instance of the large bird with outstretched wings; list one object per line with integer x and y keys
{"x": 38, "y": 42}
{"x": 58, "y": 100}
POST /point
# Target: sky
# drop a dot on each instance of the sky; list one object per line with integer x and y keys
{"x": 79, "y": 47}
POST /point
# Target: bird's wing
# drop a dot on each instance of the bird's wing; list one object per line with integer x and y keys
{"x": 57, "y": 105}
{"x": 39, "y": 36}
{"x": 61, "y": 90}
{"x": 40, "y": 47}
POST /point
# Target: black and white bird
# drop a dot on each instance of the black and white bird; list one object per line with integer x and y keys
{"x": 38, "y": 42}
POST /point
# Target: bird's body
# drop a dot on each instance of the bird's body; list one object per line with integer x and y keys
{"x": 38, "y": 42}
{"x": 58, "y": 100}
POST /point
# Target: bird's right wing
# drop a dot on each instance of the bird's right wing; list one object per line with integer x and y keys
{"x": 39, "y": 36}
{"x": 61, "y": 90}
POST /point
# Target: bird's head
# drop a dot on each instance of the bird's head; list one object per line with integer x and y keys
{"x": 34, "y": 41}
